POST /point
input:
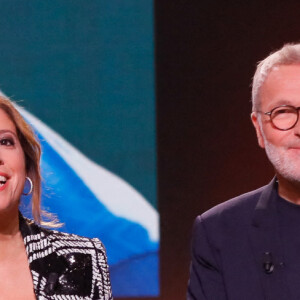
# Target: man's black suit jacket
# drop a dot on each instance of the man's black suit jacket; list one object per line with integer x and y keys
{"x": 237, "y": 253}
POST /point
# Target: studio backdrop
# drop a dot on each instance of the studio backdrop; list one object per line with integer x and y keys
{"x": 82, "y": 73}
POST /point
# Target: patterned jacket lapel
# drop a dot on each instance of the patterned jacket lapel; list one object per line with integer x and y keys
{"x": 37, "y": 246}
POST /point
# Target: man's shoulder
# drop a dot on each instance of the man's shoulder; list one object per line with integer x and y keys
{"x": 237, "y": 208}
{"x": 230, "y": 217}
{"x": 240, "y": 202}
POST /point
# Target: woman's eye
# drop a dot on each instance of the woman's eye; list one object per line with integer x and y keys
{"x": 7, "y": 142}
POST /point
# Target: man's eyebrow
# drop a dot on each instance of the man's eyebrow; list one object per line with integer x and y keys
{"x": 281, "y": 102}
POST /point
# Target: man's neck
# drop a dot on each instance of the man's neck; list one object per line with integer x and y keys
{"x": 289, "y": 190}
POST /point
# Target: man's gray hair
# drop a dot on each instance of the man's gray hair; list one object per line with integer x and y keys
{"x": 289, "y": 54}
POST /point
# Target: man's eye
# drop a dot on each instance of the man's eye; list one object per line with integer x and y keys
{"x": 7, "y": 142}
{"x": 283, "y": 111}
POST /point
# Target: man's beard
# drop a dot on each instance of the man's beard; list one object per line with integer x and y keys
{"x": 286, "y": 164}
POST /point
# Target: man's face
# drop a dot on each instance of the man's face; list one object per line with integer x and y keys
{"x": 282, "y": 86}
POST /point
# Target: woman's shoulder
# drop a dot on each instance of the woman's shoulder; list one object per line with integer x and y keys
{"x": 65, "y": 239}
{"x": 60, "y": 241}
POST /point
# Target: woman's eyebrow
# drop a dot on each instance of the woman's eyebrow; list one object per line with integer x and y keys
{"x": 8, "y": 131}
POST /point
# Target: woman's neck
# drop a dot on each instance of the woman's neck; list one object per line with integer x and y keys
{"x": 9, "y": 224}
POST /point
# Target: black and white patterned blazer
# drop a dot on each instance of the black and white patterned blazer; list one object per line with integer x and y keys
{"x": 65, "y": 266}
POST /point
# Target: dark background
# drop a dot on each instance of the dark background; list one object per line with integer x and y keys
{"x": 206, "y": 54}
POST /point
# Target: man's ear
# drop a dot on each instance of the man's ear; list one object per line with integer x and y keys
{"x": 259, "y": 135}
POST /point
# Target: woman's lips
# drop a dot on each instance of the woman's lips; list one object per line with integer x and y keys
{"x": 3, "y": 181}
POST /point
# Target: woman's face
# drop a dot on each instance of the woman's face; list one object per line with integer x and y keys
{"x": 12, "y": 165}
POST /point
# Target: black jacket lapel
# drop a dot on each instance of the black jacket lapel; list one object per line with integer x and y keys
{"x": 267, "y": 246}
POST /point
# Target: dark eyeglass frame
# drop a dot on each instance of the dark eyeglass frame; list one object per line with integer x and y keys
{"x": 269, "y": 113}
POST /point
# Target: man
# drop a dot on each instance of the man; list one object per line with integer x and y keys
{"x": 248, "y": 248}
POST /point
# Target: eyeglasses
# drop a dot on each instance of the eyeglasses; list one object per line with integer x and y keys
{"x": 284, "y": 117}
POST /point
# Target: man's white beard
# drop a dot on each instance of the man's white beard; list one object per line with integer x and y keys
{"x": 286, "y": 164}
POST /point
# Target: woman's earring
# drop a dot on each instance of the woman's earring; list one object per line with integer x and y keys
{"x": 31, "y": 186}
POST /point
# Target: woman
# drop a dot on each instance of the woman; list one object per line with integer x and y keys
{"x": 37, "y": 263}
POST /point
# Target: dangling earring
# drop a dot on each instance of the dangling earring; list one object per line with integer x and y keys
{"x": 31, "y": 186}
